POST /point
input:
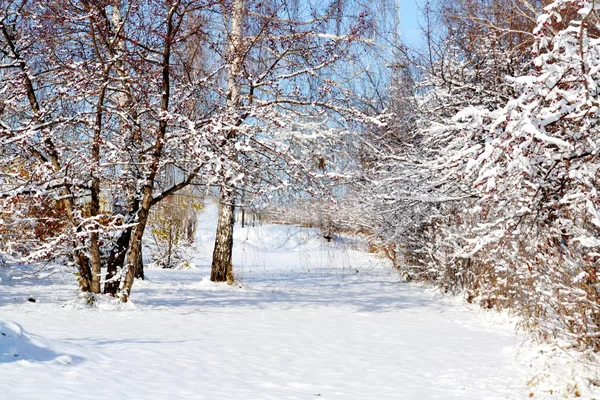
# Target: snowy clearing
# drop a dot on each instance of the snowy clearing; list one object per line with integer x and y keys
{"x": 308, "y": 319}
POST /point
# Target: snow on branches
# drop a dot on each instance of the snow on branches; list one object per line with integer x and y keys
{"x": 108, "y": 108}
{"x": 540, "y": 176}
{"x": 498, "y": 192}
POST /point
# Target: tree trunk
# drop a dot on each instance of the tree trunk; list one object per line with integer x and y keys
{"x": 139, "y": 269}
{"x": 115, "y": 263}
{"x": 191, "y": 228}
{"x": 222, "y": 267}
{"x": 133, "y": 258}
{"x": 96, "y": 263}
{"x": 135, "y": 244}
{"x": 125, "y": 101}
{"x": 169, "y": 248}
{"x": 85, "y": 277}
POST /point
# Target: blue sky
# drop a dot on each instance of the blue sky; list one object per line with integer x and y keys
{"x": 410, "y": 15}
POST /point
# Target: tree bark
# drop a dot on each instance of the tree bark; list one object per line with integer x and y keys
{"x": 135, "y": 243}
{"x": 139, "y": 269}
{"x": 95, "y": 258}
{"x": 125, "y": 101}
{"x": 222, "y": 266}
{"x": 85, "y": 277}
{"x": 115, "y": 262}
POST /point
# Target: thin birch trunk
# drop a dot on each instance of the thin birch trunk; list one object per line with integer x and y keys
{"x": 222, "y": 267}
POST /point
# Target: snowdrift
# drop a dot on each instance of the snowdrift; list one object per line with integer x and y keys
{"x": 16, "y": 344}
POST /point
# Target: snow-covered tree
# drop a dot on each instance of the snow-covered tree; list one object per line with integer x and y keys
{"x": 500, "y": 198}
{"x": 287, "y": 111}
{"x": 538, "y": 177}
{"x": 110, "y": 107}
{"x": 94, "y": 112}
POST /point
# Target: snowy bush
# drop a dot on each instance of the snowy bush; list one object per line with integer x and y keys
{"x": 524, "y": 234}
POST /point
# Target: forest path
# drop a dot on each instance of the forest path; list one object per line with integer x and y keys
{"x": 309, "y": 319}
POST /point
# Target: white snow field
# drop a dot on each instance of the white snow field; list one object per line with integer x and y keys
{"x": 309, "y": 319}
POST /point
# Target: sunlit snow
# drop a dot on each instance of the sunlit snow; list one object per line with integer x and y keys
{"x": 307, "y": 319}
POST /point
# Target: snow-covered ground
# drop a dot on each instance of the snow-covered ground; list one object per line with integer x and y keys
{"x": 308, "y": 319}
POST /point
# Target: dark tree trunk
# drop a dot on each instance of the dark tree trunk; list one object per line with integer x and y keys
{"x": 135, "y": 243}
{"x": 222, "y": 267}
{"x": 96, "y": 261}
{"x": 116, "y": 262}
{"x": 85, "y": 273}
{"x": 139, "y": 269}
